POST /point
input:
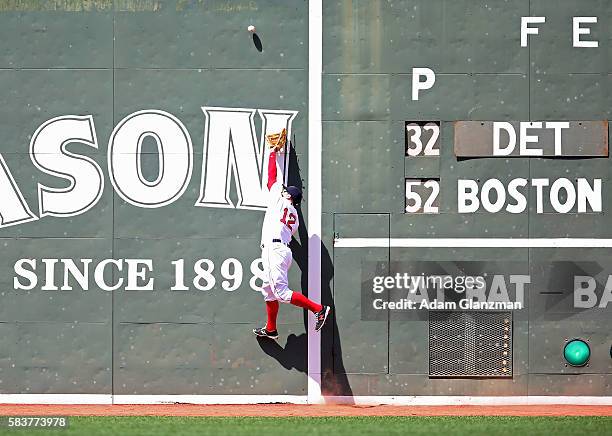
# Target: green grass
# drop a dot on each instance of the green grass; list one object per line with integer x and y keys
{"x": 329, "y": 426}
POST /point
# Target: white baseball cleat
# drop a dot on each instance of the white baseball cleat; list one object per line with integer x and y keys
{"x": 263, "y": 333}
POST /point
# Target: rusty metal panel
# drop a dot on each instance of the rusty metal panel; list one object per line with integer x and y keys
{"x": 581, "y": 138}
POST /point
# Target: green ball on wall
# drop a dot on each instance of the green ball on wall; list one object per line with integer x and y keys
{"x": 577, "y": 352}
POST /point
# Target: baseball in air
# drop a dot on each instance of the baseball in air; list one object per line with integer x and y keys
{"x": 251, "y": 28}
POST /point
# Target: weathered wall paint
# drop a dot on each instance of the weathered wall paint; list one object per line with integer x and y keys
{"x": 110, "y": 60}
{"x": 482, "y": 73}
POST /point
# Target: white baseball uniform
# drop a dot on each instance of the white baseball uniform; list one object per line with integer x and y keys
{"x": 280, "y": 223}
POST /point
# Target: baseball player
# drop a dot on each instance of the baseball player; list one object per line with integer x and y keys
{"x": 280, "y": 223}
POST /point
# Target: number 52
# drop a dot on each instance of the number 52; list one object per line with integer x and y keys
{"x": 416, "y": 189}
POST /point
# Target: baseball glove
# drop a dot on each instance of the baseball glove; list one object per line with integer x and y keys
{"x": 277, "y": 141}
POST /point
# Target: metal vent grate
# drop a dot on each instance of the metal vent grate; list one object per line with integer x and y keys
{"x": 470, "y": 344}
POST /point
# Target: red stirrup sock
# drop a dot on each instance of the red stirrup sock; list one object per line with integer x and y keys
{"x": 272, "y": 309}
{"x": 299, "y": 300}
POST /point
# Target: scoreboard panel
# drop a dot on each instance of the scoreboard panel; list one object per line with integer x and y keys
{"x": 491, "y": 123}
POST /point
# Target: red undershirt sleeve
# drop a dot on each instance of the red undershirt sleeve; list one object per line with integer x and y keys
{"x": 271, "y": 170}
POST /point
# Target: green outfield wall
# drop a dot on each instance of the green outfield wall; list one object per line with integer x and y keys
{"x": 133, "y": 166}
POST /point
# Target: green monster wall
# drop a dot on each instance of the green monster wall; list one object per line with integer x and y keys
{"x": 482, "y": 73}
{"x": 111, "y": 59}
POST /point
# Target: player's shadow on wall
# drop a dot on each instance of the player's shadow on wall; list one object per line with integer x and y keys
{"x": 292, "y": 356}
{"x": 295, "y": 353}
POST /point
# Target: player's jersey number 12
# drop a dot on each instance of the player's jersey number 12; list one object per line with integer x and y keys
{"x": 288, "y": 222}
